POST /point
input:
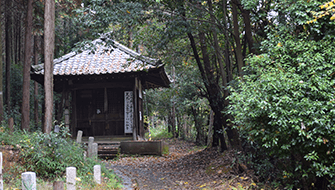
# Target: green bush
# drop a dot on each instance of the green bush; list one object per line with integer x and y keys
{"x": 285, "y": 105}
{"x": 160, "y": 132}
{"x": 49, "y": 154}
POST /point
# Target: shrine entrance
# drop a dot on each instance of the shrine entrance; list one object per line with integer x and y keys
{"x": 101, "y": 112}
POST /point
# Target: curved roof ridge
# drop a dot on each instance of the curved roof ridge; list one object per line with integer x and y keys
{"x": 116, "y": 58}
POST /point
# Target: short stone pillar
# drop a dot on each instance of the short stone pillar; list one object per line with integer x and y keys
{"x": 97, "y": 174}
{"x": 1, "y": 181}
{"x": 28, "y": 181}
{"x": 90, "y": 147}
{"x": 95, "y": 150}
{"x": 71, "y": 178}
{"x": 58, "y": 185}
{"x": 79, "y": 136}
{"x": 57, "y": 129}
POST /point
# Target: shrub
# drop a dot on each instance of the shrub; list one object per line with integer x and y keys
{"x": 160, "y": 132}
{"x": 49, "y": 154}
{"x": 285, "y": 104}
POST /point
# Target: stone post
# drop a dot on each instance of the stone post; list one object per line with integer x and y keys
{"x": 28, "y": 181}
{"x": 58, "y": 185}
{"x": 1, "y": 182}
{"x": 95, "y": 150}
{"x": 79, "y": 136}
{"x": 57, "y": 129}
{"x": 89, "y": 149}
{"x": 71, "y": 178}
{"x": 97, "y": 174}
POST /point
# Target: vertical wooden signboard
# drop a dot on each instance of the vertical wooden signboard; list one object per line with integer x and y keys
{"x": 128, "y": 112}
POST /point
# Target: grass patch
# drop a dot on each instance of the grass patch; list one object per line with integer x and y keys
{"x": 166, "y": 150}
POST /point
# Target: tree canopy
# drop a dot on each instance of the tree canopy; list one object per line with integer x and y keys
{"x": 265, "y": 69}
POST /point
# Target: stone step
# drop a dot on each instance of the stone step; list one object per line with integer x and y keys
{"x": 108, "y": 150}
{"x": 107, "y": 156}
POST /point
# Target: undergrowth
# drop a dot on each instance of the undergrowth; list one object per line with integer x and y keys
{"x": 159, "y": 132}
{"x": 48, "y": 155}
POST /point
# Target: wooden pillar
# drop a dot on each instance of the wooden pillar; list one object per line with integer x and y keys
{"x": 59, "y": 107}
{"x": 135, "y": 127}
{"x": 140, "y": 110}
{"x": 64, "y": 108}
{"x": 73, "y": 113}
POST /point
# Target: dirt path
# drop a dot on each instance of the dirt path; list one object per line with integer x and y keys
{"x": 185, "y": 167}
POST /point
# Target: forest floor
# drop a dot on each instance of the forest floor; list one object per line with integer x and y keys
{"x": 185, "y": 167}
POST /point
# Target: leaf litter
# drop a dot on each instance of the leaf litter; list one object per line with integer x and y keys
{"x": 185, "y": 167}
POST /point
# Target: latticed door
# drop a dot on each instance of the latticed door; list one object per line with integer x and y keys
{"x": 100, "y": 112}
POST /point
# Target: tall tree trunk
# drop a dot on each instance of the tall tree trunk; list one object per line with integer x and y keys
{"x": 179, "y": 126}
{"x": 49, "y": 40}
{"x": 247, "y": 25}
{"x": 226, "y": 75}
{"x": 17, "y": 39}
{"x": 1, "y": 71}
{"x": 8, "y": 31}
{"x": 233, "y": 137}
{"x": 173, "y": 114}
{"x": 187, "y": 128}
{"x": 214, "y": 91}
{"x": 26, "y": 69}
{"x": 173, "y": 120}
{"x": 35, "y": 83}
{"x": 210, "y": 129}
{"x": 216, "y": 45}
{"x": 238, "y": 48}
{"x": 197, "y": 125}
{"x": 168, "y": 119}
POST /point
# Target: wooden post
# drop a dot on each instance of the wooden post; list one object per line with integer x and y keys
{"x": 11, "y": 125}
{"x": 74, "y": 113}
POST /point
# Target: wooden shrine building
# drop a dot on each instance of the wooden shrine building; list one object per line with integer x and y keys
{"x": 106, "y": 88}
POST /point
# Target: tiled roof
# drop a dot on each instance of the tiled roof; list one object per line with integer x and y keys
{"x": 116, "y": 59}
